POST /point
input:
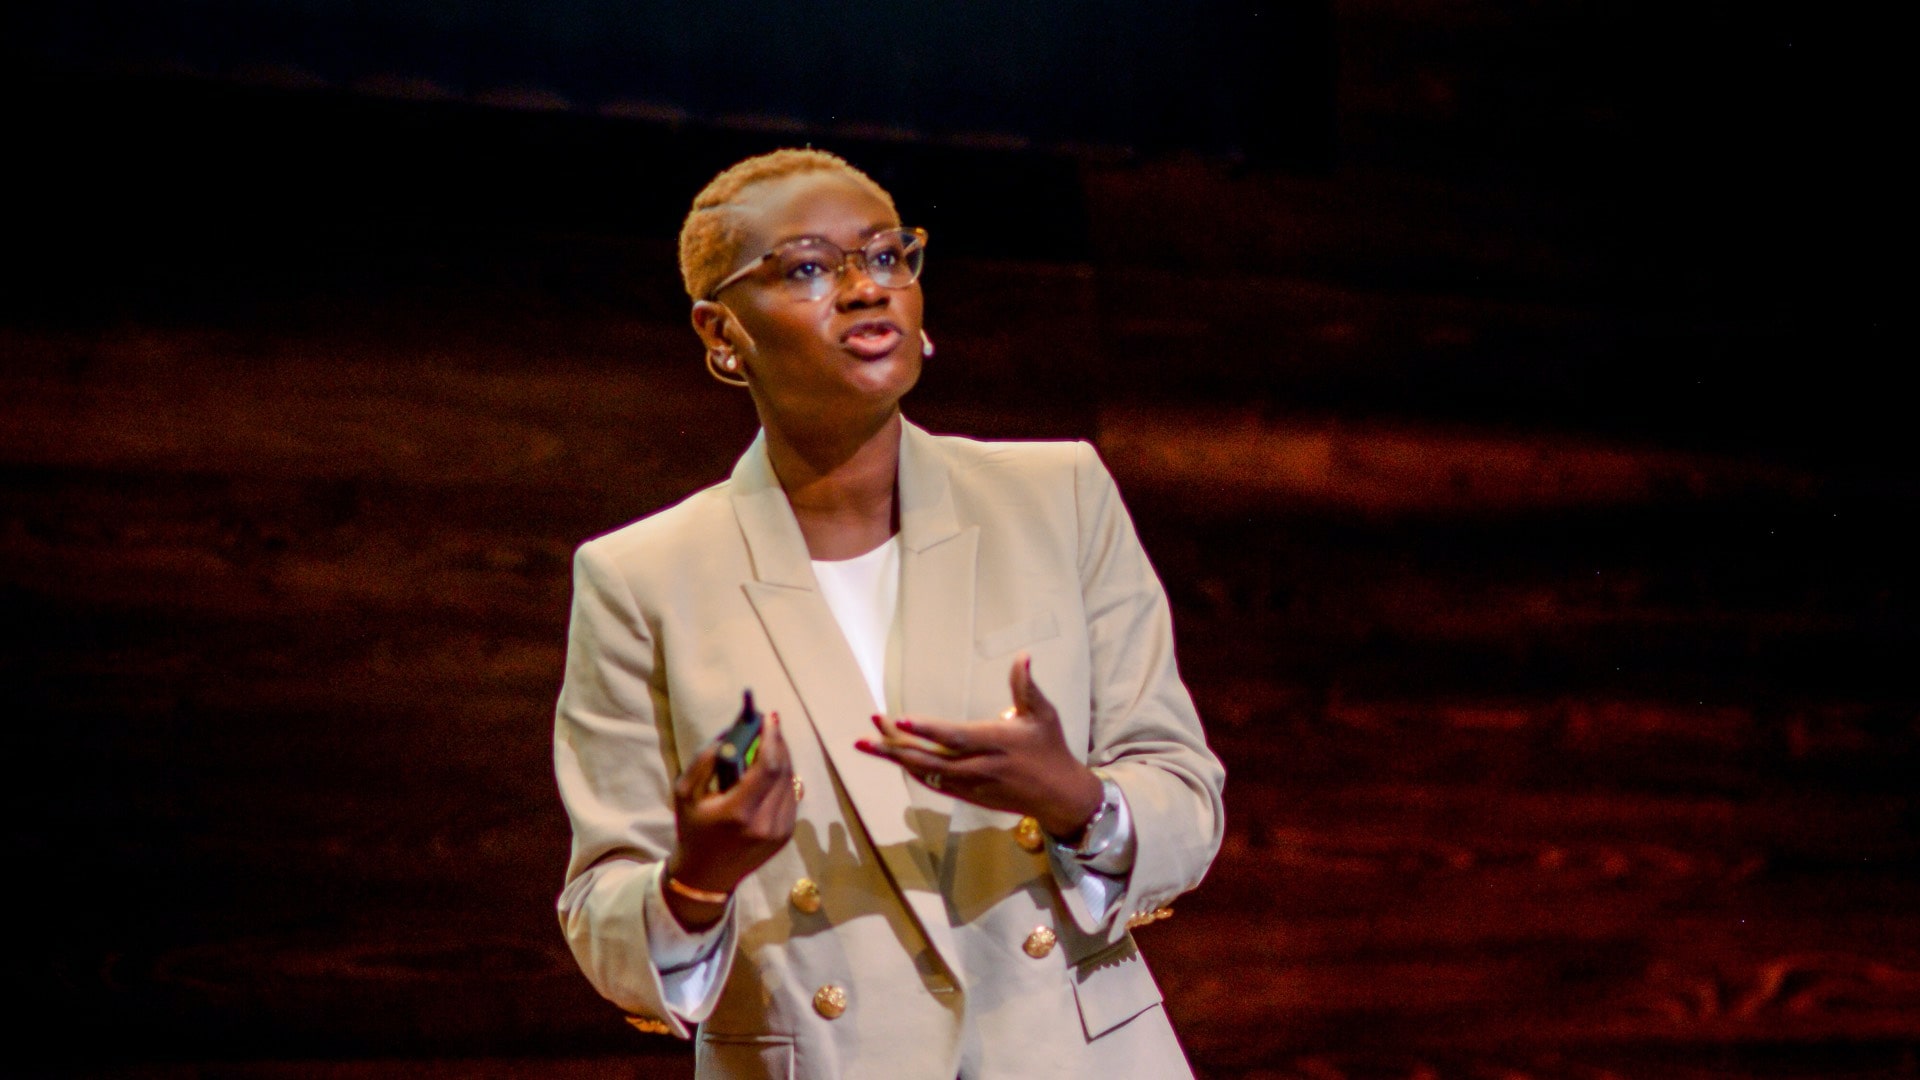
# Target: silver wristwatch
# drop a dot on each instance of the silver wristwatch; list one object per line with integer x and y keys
{"x": 1102, "y": 826}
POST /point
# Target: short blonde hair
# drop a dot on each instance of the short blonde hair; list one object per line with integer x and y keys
{"x": 710, "y": 237}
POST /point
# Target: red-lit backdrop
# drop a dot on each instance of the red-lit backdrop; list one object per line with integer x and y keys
{"x": 1527, "y": 474}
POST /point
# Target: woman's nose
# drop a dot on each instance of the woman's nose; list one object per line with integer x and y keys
{"x": 857, "y": 289}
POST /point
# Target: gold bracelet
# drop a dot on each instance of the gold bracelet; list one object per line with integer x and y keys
{"x": 700, "y": 895}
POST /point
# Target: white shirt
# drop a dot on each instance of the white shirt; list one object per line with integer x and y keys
{"x": 864, "y": 594}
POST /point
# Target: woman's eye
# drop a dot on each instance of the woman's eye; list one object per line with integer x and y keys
{"x": 885, "y": 258}
{"x": 806, "y": 271}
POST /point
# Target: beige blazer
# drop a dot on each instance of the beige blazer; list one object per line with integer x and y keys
{"x": 921, "y": 958}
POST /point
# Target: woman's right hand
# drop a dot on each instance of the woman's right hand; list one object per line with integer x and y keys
{"x": 721, "y": 837}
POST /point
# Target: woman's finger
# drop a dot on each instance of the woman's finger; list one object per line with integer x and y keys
{"x": 933, "y": 770}
{"x": 907, "y": 757}
{"x": 770, "y": 778}
{"x": 934, "y": 736}
{"x": 902, "y": 733}
{"x": 962, "y": 777}
{"x": 773, "y": 746}
{"x": 772, "y": 812}
{"x": 1026, "y": 693}
{"x": 787, "y": 805}
{"x": 921, "y": 763}
{"x": 695, "y": 778}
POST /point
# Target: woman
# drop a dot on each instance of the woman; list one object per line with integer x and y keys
{"x": 895, "y": 887}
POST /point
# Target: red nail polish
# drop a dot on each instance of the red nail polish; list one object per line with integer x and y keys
{"x": 903, "y": 725}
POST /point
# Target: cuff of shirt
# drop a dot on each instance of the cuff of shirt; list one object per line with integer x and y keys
{"x": 688, "y": 960}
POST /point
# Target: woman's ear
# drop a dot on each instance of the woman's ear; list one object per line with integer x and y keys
{"x": 710, "y": 322}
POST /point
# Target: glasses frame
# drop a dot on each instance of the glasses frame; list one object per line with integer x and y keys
{"x": 839, "y": 269}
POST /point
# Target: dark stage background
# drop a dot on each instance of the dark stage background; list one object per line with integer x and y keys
{"x": 1504, "y": 391}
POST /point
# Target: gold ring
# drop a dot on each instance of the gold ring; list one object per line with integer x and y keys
{"x": 932, "y": 780}
{"x": 1011, "y": 712}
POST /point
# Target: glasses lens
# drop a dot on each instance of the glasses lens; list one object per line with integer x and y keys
{"x": 809, "y": 267}
{"x": 894, "y": 257}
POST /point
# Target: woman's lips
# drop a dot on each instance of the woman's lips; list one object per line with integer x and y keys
{"x": 872, "y": 340}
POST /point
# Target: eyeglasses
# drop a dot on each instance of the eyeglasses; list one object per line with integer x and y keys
{"x": 812, "y": 268}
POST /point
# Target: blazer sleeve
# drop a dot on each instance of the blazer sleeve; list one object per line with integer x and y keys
{"x": 612, "y": 763}
{"x": 1145, "y": 732}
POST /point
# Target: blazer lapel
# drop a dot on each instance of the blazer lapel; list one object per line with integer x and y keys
{"x": 824, "y": 674}
{"x": 937, "y": 562}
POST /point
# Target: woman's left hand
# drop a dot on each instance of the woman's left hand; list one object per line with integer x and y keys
{"x": 1019, "y": 761}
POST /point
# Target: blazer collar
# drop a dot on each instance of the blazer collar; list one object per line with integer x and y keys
{"x": 774, "y": 543}
{"x": 927, "y": 516}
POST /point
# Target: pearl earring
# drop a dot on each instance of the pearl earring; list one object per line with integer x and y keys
{"x": 926, "y": 345}
{"x": 723, "y": 365}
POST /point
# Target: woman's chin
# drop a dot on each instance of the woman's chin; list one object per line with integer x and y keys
{"x": 889, "y": 376}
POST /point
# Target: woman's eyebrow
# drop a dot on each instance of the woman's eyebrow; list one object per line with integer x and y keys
{"x": 867, "y": 233}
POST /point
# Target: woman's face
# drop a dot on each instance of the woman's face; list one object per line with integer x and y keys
{"x": 839, "y": 359}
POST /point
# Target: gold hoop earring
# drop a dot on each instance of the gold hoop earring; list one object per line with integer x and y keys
{"x": 926, "y": 345}
{"x": 724, "y": 368}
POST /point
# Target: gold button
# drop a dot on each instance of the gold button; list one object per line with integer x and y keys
{"x": 1148, "y": 918}
{"x": 649, "y": 1025}
{"x": 799, "y": 789}
{"x": 804, "y": 896}
{"x": 830, "y": 1001}
{"x": 1028, "y": 835}
{"x": 1040, "y": 942}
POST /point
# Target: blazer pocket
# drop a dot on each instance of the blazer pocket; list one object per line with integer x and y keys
{"x": 1027, "y": 632}
{"x": 1113, "y": 986}
{"x": 744, "y": 1057}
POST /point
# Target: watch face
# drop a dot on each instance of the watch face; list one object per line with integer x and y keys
{"x": 1099, "y": 831}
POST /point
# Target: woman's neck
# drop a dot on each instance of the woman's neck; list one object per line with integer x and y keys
{"x": 841, "y": 485}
